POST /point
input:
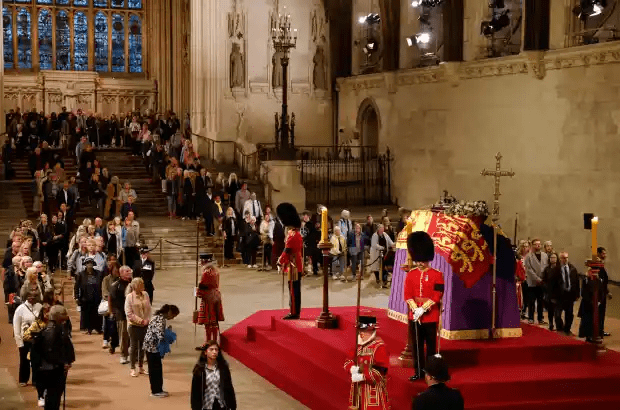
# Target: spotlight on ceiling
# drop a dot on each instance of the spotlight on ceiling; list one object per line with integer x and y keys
{"x": 372, "y": 18}
{"x": 426, "y": 3}
{"x": 589, "y": 8}
{"x": 420, "y": 38}
{"x": 497, "y": 4}
{"x": 497, "y": 23}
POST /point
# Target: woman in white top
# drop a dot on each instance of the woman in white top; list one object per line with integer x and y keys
{"x": 127, "y": 192}
{"x": 25, "y": 316}
{"x": 266, "y": 234}
{"x": 138, "y": 311}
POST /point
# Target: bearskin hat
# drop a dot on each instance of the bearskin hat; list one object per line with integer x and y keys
{"x": 288, "y": 215}
{"x": 420, "y": 246}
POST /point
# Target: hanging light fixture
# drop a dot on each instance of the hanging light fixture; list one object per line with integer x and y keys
{"x": 497, "y": 23}
{"x": 426, "y": 3}
{"x": 589, "y": 8}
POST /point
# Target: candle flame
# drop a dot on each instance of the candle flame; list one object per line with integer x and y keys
{"x": 595, "y": 219}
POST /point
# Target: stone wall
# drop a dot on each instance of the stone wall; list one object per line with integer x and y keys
{"x": 48, "y": 91}
{"x": 555, "y": 117}
{"x": 231, "y": 103}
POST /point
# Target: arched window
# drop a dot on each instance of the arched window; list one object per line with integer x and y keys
{"x": 7, "y": 20}
{"x": 118, "y": 44}
{"x": 80, "y": 40}
{"x": 63, "y": 41}
{"x": 80, "y": 35}
{"x": 24, "y": 39}
{"x": 45, "y": 40}
{"x": 135, "y": 44}
{"x": 101, "y": 42}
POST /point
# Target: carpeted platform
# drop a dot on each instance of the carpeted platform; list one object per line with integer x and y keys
{"x": 542, "y": 368}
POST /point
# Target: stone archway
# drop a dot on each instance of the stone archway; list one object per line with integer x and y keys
{"x": 368, "y": 124}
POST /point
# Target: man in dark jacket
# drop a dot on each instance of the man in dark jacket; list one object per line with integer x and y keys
{"x": 145, "y": 268}
{"x": 116, "y": 306}
{"x": 56, "y": 355}
{"x": 564, "y": 288}
{"x": 438, "y": 395}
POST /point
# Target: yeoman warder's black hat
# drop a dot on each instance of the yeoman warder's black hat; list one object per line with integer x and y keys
{"x": 367, "y": 322}
{"x": 420, "y": 246}
{"x": 288, "y": 215}
{"x": 437, "y": 368}
{"x": 206, "y": 257}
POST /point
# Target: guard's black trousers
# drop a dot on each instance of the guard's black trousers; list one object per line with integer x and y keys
{"x": 421, "y": 333}
{"x": 294, "y": 289}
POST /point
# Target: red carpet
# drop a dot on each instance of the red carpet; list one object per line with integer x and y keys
{"x": 542, "y": 368}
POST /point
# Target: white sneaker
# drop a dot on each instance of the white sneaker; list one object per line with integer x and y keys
{"x": 124, "y": 360}
{"x": 105, "y": 344}
{"x": 250, "y": 266}
{"x": 255, "y": 266}
{"x": 342, "y": 278}
{"x": 41, "y": 402}
{"x": 134, "y": 373}
{"x": 160, "y": 395}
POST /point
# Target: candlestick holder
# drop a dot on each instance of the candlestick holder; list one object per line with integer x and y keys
{"x": 326, "y": 319}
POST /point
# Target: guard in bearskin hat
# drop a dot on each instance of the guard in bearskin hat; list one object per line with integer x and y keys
{"x": 291, "y": 259}
{"x": 423, "y": 292}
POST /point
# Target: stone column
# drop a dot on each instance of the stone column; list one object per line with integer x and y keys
{"x": 474, "y": 43}
{"x": 409, "y": 26}
{"x": 559, "y": 25}
{"x": 209, "y": 65}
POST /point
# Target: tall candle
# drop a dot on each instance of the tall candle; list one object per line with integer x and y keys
{"x": 324, "y": 224}
{"x": 594, "y": 238}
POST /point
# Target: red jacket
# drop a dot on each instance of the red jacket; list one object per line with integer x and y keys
{"x": 293, "y": 253}
{"x": 424, "y": 289}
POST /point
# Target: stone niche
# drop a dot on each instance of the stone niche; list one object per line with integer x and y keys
{"x": 554, "y": 116}
{"x": 49, "y": 91}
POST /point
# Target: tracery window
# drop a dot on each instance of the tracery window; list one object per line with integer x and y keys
{"x": 80, "y": 35}
{"x": 7, "y": 19}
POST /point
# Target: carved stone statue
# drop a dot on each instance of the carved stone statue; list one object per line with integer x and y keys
{"x": 237, "y": 67}
{"x": 319, "y": 74}
{"x": 276, "y": 78}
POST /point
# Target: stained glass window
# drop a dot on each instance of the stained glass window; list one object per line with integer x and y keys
{"x": 80, "y": 40}
{"x": 8, "y": 38}
{"x": 45, "y": 40}
{"x": 24, "y": 39}
{"x": 118, "y": 43}
{"x": 135, "y": 44}
{"x": 7, "y": 20}
{"x": 101, "y": 42}
{"x": 63, "y": 41}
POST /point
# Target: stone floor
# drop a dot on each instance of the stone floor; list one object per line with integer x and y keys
{"x": 98, "y": 381}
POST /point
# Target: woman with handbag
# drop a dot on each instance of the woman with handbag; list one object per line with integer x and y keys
{"x": 138, "y": 311}
{"x": 211, "y": 311}
{"x": 155, "y": 334}
{"x": 212, "y": 387}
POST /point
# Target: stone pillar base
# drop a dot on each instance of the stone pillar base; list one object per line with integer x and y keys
{"x": 286, "y": 180}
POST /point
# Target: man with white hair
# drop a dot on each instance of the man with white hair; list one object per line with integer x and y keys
{"x": 116, "y": 308}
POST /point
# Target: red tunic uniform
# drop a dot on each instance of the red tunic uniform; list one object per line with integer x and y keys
{"x": 373, "y": 361}
{"x": 424, "y": 289}
{"x": 520, "y": 276}
{"x": 295, "y": 243}
{"x": 211, "y": 311}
